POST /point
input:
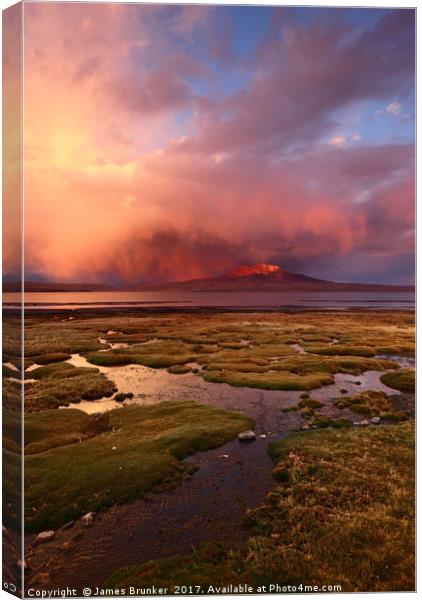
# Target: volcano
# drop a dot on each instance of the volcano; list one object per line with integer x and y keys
{"x": 270, "y": 278}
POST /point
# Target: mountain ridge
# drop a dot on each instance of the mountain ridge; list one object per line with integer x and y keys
{"x": 244, "y": 278}
{"x": 265, "y": 277}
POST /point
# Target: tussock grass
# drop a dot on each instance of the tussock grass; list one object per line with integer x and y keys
{"x": 52, "y": 357}
{"x": 403, "y": 380}
{"x": 371, "y": 403}
{"x": 53, "y": 391}
{"x": 277, "y": 380}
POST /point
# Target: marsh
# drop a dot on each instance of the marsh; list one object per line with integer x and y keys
{"x": 134, "y": 417}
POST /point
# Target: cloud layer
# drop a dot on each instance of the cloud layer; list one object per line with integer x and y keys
{"x": 159, "y": 146}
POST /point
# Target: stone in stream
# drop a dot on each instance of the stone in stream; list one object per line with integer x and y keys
{"x": 45, "y": 536}
{"x": 88, "y": 519}
{"x": 376, "y": 420}
{"x": 247, "y": 436}
{"x": 363, "y": 423}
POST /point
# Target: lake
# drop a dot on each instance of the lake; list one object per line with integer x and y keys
{"x": 178, "y": 299}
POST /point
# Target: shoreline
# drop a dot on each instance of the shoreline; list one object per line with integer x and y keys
{"x": 7, "y": 309}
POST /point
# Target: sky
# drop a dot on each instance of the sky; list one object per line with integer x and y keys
{"x": 178, "y": 142}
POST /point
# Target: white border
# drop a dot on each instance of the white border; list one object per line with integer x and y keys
{"x": 345, "y": 3}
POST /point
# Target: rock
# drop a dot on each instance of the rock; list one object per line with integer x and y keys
{"x": 45, "y": 536}
{"x": 68, "y": 525}
{"x": 66, "y": 546}
{"x": 305, "y": 426}
{"x": 88, "y": 519}
{"x": 224, "y": 455}
{"x": 262, "y": 436}
{"x": 364, "y": 423}
{"x": 375, "y": 420}
{"x": 247, "y": 436}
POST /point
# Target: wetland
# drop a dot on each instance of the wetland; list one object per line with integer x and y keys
{"x": 132, "y": 460}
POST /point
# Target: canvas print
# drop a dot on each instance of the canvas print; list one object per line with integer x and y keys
{"x": 208, "y": 299}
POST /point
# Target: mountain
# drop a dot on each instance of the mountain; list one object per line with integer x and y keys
{"x": 47, "y": 286}
{"x": 267, "y": 277}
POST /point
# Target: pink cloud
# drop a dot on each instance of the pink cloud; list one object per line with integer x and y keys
{"x": 135, "y": 171}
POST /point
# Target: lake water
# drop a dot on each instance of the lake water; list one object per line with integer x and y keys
{"x": 178, "y": 299}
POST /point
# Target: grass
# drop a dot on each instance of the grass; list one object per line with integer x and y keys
{"x": 179, "y": 369}
{"x": 371, "y": 403}
{"x": 59, "y": 370}
{"x": 52, "y": 357}
{"x": 76, "y": 384}
{"x": 403, "y": 380}
{"x": 342, "y": 512}
{"x": 341, "y": 350}
{"x": 270, "y": 381}
{"x": 310, "y": 403}
{"x": 153, "y": 360}
{"x": 305, "y": 364}
{"x": 241, "y": 349}
{"x": 12, "y": 467}
{"x": 137, "y": 450}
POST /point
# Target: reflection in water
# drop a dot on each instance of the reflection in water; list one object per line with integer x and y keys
{"x": 152, "y": 386}
{"x": 262, "y": 300}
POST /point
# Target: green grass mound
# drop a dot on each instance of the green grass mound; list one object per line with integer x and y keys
{"x": 52, "y": 357}
{"x": 342, "y": 512}
{"x": 139, "y": 450}
{"x": 179, "y": 370}
{"x": 52, "y": 429}
{"x": 341, "y": 350}
{"x": 52, "y": 391}
{"x": 371, "y": 403}
{"x": 271, "y": 380}
{"x": 59, "y": 370}
{"x": 403, "y": 380}
{"x": 310, "y": 403}
{"x": 306, "y": 364}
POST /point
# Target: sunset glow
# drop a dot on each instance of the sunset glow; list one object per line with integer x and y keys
{"x": 168, "y": 143}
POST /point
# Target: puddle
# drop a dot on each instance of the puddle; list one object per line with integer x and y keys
{"x": 405, "y": 362}
{"x": 152, "y": 386}
{"x": 20, "y": 381}
{"x": 11, "y": 366}
{"x": 94, "y": 406}
{"x": 148, "y": 342}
